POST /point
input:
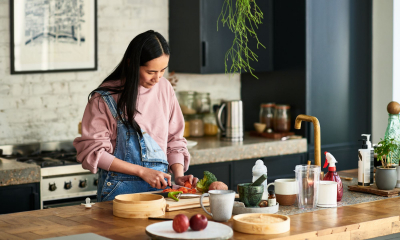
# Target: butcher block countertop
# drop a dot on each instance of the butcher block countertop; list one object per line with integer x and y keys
{"x": 358, "y": 221}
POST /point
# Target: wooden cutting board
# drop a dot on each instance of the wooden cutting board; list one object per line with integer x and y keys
{"x": 374, "y": 190}
{"x": 173, "y": 205}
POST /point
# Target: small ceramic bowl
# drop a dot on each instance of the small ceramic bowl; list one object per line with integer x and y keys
{"x": 260, "y": 127}
{"x": 250, "y": 195}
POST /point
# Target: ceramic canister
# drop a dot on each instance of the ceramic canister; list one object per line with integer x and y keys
{"x": 327, "y": 195}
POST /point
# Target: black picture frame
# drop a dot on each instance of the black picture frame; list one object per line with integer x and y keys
{"x": 62, "y": 37}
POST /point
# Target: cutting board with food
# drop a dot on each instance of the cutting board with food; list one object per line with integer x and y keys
{"x": 188, "y": 196}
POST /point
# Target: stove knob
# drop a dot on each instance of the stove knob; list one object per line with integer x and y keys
{"x": 67, "y": 185}
{"x": 96, "y": 181}
{"x": 82, "y": 183}
{"x": 52, "y": 187}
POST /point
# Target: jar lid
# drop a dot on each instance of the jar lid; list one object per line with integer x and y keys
{"x": 196, "y": 116}
{"x": 202, "y": 93}
{"x": 282, "y": 106}
{"x": 265, "y": 105}
{"x": 186, "y": 92}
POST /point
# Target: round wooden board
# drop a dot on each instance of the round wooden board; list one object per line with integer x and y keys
{"x": 261, "y": 227}
{"x": 164, "y": 230}
{"x": 239, "y": 208}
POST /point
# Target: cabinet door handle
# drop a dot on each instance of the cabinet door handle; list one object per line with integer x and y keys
{"x": 203, "y": 53}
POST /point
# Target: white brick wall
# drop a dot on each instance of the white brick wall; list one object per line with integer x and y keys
{"x": 48, "y": 107}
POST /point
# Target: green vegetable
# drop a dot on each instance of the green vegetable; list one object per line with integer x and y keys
{"x": 204, "y": 183}
{"x": 173, "y": 194}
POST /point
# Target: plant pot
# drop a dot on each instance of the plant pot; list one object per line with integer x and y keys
{"x": 398, "y": 176}
{"x": 386, "y": 178}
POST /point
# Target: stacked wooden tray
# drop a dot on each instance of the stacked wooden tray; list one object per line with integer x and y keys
{"x": 374, "y": 190}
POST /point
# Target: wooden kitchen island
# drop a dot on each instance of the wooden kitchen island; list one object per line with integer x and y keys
{"x": 358, "y": 221}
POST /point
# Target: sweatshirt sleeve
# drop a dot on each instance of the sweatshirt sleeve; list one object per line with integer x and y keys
{"x": 177, "y": 151}
{"x": 94, "y": 147}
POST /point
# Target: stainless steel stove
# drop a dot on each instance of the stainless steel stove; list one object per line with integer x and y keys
{"x": 63, "y": 180}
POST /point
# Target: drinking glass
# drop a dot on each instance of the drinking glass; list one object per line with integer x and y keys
{"x": 307, "y": 178}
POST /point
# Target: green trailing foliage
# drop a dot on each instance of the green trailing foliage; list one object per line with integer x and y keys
{"x": 241, "y": 17}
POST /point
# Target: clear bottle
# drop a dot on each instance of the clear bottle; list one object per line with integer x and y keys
{"x": 393, "y": 131}
{"x": 259, "y": 169}
{"x": 271, "y": 198}
{"x": 196, "y": 125}
{"x": 187, "y": 102}
{"x": 267, "y": 115}
{"x": 282, "y": 118}
{"x": 202, "y": 102}
{"x": 210, "y": 124}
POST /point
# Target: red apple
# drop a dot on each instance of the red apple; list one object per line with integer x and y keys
{"x": 198, "y": 222}
{"x": 180, "y": 223}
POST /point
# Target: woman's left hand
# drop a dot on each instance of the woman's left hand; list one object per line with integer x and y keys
{"x": 182, "y": 179}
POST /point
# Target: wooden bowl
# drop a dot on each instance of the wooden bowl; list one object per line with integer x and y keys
{"x": 139, "y": 205}
{"x": 260, "y": 127}
{"x": 261, "y": 223}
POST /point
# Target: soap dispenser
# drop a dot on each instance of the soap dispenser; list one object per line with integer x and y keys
{"x": 258, "y": 170}
{"x": 332, "y": 175}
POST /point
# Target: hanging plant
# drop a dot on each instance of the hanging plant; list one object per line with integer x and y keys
{"x": 241, "y": 19}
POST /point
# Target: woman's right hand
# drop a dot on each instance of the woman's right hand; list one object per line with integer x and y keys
{"x": 155, "y": 178}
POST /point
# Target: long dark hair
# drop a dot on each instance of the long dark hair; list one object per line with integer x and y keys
{"x": 143, "y": 48}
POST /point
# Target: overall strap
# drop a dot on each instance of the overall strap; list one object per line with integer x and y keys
{"x": 112, "y": 105}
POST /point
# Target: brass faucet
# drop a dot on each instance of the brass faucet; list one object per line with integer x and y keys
{"x": 317, "y": 134}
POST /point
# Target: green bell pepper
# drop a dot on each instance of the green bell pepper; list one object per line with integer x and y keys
{"x": 173, "y": 195}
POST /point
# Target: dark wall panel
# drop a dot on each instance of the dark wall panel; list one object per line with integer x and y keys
{"x": 339, "y": 68}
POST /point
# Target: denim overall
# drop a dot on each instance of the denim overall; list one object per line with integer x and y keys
{"x": 132, "y": 148}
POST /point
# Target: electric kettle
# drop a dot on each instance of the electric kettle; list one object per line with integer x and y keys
{"x": 230, "y": 120}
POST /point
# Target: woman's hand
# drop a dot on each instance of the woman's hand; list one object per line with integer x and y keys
{"x": 155, "y": 178}
{"x": 180, "y": 180}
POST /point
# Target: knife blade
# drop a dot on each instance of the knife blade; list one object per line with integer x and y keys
{"x": 182, "y": 195}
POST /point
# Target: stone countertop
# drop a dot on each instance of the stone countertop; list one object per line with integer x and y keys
{"x": 14, "y": 173}
{"x": 212, "y": 149}
{"x": 349, "y": 197}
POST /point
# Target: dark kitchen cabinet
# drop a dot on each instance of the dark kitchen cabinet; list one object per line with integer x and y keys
{"x": 234, "y": 172}
{"x": 18, "y": 198}
{"x": 198, "y": 47}
{"x": 322, "y": 68}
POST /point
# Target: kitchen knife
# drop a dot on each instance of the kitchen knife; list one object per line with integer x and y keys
{"x": 182, "y": 195}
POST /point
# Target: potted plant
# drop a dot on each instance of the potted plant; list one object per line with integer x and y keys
{"x": 386, "y": 175}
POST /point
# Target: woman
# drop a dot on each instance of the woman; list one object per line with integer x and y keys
{"x": 132, "y": 127}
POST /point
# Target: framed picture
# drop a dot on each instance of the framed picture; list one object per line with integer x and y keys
{"x": 53, "y": 35}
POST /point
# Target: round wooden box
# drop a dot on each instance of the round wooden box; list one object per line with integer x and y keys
{"x": 261, "y": 223}
{"x": 139, "y": 205}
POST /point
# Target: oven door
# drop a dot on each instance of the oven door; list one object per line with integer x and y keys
{"x": 68, "y": 202}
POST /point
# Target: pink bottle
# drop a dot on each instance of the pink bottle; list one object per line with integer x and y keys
{"x": 332, "y": 175}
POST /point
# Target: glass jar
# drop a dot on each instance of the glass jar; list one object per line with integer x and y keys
{"x": 186, "y": 132}
{"x": 210, "y": 124}
{"x": 267, "y": 115}
{"x": 282, "y": 118}
{"x": 202, "y": 102}
{"x": 196, "y": 126}
{"x": 186, "y": 102}
{"x": 393, "y": 131}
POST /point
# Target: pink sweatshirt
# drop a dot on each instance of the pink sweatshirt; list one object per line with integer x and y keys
{"x": 160, "y": 116}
